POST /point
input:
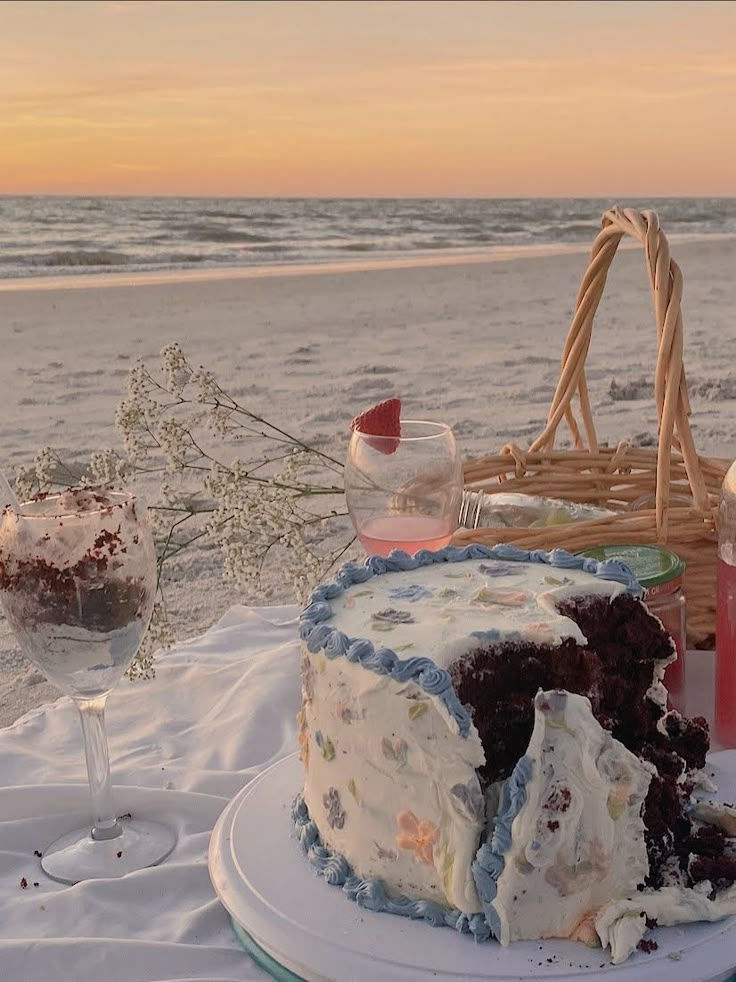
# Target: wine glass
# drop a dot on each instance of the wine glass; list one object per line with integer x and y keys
{"x": 404, "y": 492}
{"x": 78, "y": 579}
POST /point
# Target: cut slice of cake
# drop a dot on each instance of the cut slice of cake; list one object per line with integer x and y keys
{"x": 569, "y": 831}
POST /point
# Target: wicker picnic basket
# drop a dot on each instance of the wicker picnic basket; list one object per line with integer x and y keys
{"x": 683, "y": 486}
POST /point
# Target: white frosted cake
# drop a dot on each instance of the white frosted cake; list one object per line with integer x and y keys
{"x": 487, "y": 746}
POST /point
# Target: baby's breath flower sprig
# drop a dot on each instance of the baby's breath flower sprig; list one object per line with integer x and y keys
{"x": 48, "y": 471}
{"x": 280, "y": 499}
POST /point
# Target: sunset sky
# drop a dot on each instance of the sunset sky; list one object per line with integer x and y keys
{"x": 368, "y": 98}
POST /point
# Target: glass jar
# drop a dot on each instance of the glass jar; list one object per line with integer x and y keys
{"x": 660, "y": 574}
{"x": 726, "y": 614}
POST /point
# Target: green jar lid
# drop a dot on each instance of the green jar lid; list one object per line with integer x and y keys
{"x": 652, "y": 565}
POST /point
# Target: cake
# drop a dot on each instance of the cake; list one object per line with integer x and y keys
{"x": 487, "y": 746}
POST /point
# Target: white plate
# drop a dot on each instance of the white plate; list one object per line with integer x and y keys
{"x": 265, "y": 882}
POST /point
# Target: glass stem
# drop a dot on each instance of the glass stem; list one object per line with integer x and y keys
{"x": 92, "y": 714}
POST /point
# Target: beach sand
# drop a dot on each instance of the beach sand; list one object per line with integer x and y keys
{"x": 476, "y": 344}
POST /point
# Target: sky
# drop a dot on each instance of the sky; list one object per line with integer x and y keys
{"x": 342, "y": 98}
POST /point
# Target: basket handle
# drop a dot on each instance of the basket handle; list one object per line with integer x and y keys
{"x": 670, "y": 385}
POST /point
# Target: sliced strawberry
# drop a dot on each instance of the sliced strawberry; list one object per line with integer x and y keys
{"x": 383, "y": 420}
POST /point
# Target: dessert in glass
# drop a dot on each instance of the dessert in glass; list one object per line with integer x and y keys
{"x": 403, "y": 490}
{"x": 77, "y": 581}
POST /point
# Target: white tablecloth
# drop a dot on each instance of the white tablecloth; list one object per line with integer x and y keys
{"x": 221, "y": 709}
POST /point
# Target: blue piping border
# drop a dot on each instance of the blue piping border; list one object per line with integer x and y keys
{"x": 490, "y": 860}
{"x": 370, "y": 894}
{"x": 423, "y": 671}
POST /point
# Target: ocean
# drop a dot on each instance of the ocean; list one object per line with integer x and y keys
{"x": 43, "y": 236}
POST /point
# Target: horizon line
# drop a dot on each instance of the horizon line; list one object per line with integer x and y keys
{"x": 370, "y": 197}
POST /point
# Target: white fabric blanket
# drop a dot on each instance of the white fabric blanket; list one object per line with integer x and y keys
{"x": 220, "y": 709}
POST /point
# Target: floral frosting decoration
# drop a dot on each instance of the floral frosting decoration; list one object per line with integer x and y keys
{"x": 420, "y": 837}
{"x": 335, "y": 814}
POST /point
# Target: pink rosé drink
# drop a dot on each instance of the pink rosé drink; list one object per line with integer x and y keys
{"x": 380, "y": 536}
{"x": 726, "y": 654}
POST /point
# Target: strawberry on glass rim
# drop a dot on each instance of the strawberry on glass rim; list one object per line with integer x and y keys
{"x": 384, "y": 421}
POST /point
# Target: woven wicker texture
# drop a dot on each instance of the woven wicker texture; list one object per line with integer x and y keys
{"x": 683, "y": 486}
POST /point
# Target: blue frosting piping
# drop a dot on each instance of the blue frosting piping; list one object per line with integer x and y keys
{"x": 489, "y": 860}
{"x": 370, "y": 893}
{"x": 319, "y": 636}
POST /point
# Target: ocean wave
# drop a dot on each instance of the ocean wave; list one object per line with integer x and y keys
{"x": 427, "y": 218}
{"x": 488, "y": 238}
{"x": 352, "y": 230}
{"x": 239, "y": 215}
{"x": 252, "y": 218}
{"x": 50, "y": 221}
{"x": 359, "y": 247}
{"x": 567, "y": 229}
{"x": 216, "y": 233}
{"x": 511, "y": 228}
{"x": 272, "y": 247}
{"x": 695, "y": 217}
{"x": 183, "y": 257}
{"x": 260, "y": 222}
{"x": 436, "y": 244}
{"x": 151, "y": 217}
{"x": 81, "y": 257}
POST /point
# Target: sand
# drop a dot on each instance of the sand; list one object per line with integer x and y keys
{"x": 476, "y": 344}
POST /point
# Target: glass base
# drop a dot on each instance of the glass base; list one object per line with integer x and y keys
{"x": 77, "y": 856}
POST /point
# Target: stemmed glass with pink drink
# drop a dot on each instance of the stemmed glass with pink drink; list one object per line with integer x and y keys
{"x": 403, "y": 482}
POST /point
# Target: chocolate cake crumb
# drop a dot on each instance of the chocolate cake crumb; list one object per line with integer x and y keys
{"x": 647, "y": 946}
{"x": 119, "y": 853}
{"x": 707, "y": 841}
{"x": 690, "y": 738}
{"x": 37, "y": 852}
{"x": 720, "y": 871}
{"x": 23, "y": 883}
{"x": 559, "y": 800}
{"x": 651, "y": 922}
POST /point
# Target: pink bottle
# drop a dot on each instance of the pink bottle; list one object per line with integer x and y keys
{"x": 726, "y": 614}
